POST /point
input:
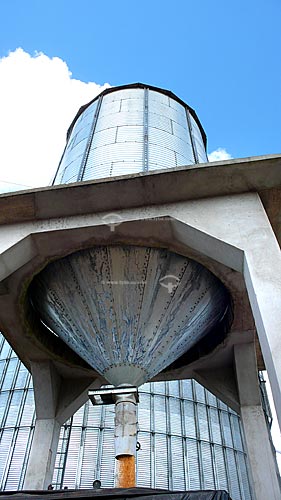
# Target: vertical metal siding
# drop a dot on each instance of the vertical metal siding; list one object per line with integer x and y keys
{"x": 129, "y": 131}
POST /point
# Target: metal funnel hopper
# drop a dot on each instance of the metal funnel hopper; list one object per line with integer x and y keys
{"x": 129, "y": 311}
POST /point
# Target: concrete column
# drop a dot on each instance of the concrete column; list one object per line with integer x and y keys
{"x": 56, "y": 399}
{"x": 46, "y": 383}
{"x": 235, "y": 231}
{"x": 43, "y": 454}
{"x": 262, "y": 272}
{"x": 261, "y": 460}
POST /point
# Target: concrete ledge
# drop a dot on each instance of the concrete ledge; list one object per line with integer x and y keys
{"x": 255, "y": 174}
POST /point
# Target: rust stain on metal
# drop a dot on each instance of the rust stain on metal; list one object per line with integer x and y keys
{"x": 126, "y": 471}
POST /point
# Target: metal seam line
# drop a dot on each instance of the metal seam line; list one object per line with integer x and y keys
{"x": 58, "y": 169}
{"x": 63, "y": 454}
{"x": 89, "y": 143}
{"x": 145, "y": 131}
{"x": 100, "y": 443}
{"x": 195, "y": 155}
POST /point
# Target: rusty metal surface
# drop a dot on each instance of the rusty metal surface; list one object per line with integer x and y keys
{"x": 126, "y": 471}
{"x": 129, "y": 311}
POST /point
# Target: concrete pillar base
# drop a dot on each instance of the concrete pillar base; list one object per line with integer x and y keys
{"x": 43, "y": 454}
{"x": 260, "y": 457}
{"x": 55, "y": 401}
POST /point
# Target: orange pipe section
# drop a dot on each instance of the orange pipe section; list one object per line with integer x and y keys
{"x": 126, "y": 471}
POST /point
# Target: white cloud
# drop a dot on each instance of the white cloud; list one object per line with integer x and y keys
{"x": 38, "y": 100}
{"x": 219, "y": 154}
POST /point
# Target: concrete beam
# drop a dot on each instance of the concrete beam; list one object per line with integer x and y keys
{"x": 221, "y": 382}
{"x": 73, "y": 395}
{"x": 46, "y": 385}
{"x": 136, "y": 190}
{"x": 241, "y": 223}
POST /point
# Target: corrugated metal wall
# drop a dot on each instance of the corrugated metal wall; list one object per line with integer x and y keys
{"x": 128, "y": 131}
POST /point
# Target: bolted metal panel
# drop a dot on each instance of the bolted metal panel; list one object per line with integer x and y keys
{"x": 132, "y": 129}
{"x": 129, "y": 311}
{"x": 76, "y": 147}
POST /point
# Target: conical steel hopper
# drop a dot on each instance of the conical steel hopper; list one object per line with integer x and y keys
{"x": 128, "y": 311}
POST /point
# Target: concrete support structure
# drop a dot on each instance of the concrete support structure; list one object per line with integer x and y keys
{"x": 46, "y": 385}
{"x": 260, "y": 456}
{"x": 247, "y": 244}
{"x": 43, "y": 454}
{"x": 224, "y": 215}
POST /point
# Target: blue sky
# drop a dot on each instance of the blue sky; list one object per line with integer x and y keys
{"x": 222, "y": 57}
